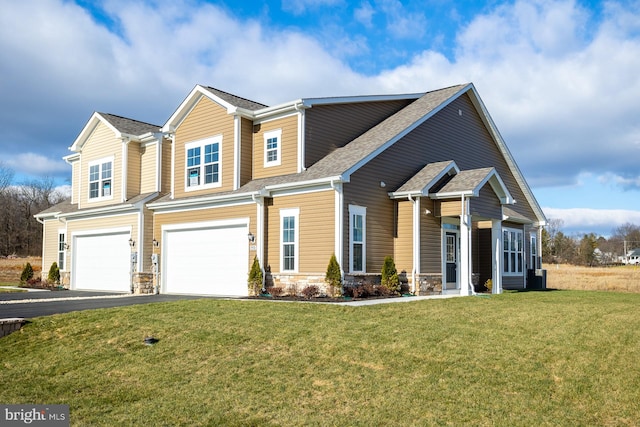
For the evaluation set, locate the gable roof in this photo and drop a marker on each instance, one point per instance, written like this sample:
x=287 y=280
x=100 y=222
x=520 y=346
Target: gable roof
x=427 y=177
x=122 y=127
x=235 y=100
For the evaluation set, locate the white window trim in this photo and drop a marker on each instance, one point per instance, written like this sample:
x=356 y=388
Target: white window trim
x=100 y=162
x=294 y=212
x=358 y=210
x=533 y=250
x=62 y=232
x=507 y=266
x=202 y=143
x=268 y=135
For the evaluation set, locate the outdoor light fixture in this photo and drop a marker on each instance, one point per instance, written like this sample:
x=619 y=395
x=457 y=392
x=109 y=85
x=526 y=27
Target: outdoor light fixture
x=66 y=246
x=155 y=243
x=383 y=184
x=251 y=237
x=132 y=243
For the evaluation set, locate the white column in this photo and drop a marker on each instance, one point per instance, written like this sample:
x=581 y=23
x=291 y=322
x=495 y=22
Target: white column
x=496 y=249
x=339 y=225
x=416 y=243
x=465 y=249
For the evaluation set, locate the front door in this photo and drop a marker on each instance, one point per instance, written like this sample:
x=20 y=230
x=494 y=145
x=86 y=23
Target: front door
x=451 y=260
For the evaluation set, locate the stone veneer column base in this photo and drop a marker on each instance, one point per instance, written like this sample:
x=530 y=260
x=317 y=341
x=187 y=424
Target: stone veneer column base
x=143 y=283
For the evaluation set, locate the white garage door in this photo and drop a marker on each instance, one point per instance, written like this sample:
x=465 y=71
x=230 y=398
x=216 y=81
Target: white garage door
x=102 y=262
x=206 y=261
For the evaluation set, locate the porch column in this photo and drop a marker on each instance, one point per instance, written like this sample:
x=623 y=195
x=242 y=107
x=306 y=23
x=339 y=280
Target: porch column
x=465 y=249
x=496 y=249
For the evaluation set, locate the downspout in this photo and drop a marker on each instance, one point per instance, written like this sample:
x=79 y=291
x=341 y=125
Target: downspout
x=414 y=250
x=125 y=167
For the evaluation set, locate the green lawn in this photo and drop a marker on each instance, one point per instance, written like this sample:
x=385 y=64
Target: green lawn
x=3 y=288
x=518 y=359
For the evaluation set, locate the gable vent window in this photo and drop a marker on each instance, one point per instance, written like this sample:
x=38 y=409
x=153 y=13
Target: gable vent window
x=203 y=164
x=272 y=148
x=100 y=177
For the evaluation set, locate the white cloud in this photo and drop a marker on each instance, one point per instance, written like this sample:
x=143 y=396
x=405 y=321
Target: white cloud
x=36 y=164
x=400 y=22
x=298 y=7
x=584 y=220
x=364 y=14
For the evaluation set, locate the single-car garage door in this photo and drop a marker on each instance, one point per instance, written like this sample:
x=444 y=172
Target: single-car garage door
x=206 y=260
x=102 y=262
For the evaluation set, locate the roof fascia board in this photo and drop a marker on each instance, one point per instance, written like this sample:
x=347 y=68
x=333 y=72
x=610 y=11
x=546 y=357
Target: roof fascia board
x=129 y=207
x=425 y=190
x=493 y=130
x=88 y=129
x=206 y=201
x=310 y=102
x=332 y=180
x=190 y=102
x=71 y=158
x=347 y=174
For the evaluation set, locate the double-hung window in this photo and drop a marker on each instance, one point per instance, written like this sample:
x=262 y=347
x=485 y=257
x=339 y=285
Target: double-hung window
x=61 y=249
x=101 y=179
x=272 y=148
x=533 y=242
x=203 y=163
x=512 y=246
x=289 y=226
x=357 y=238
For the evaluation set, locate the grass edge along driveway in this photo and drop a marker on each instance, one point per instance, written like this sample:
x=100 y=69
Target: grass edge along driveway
x=548 y=358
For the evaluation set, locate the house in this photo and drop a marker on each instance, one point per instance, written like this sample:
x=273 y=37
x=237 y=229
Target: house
x=186 y=207
x=632 y=257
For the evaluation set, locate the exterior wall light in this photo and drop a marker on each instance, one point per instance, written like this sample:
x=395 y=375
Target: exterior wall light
x=155 y=243
x=132 y=243
x=251 y=237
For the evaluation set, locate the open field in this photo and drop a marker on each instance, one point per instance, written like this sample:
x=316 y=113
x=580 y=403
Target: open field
x=11 y=269
x=620 y=278
x=516 y=359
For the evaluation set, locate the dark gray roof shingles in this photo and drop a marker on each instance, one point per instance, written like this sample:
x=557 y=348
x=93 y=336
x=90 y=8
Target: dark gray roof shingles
x=232 y=99
x=466 y=181
x=424 y=177
x=130 y=126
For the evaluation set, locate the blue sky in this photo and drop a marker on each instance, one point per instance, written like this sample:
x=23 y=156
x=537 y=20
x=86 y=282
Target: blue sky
x=561 y=79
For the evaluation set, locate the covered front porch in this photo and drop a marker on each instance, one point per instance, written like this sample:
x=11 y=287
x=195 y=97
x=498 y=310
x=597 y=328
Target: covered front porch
x=449 y=229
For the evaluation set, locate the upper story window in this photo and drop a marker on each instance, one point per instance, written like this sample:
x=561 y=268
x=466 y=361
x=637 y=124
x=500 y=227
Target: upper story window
x=272 y=148
x=101 y=179
x=512 y=246
x=203 y=164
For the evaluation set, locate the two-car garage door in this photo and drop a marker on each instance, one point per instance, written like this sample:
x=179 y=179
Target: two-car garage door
x=102 y=262
x=206 y=259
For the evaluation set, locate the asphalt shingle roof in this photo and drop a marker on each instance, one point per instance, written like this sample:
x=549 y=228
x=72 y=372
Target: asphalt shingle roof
x=466 y=181
x=232 y=99
x=425 y=177
x=130 y=126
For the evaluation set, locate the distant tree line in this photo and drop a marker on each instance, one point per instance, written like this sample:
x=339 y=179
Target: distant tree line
x=20 y=232
x=587 y=249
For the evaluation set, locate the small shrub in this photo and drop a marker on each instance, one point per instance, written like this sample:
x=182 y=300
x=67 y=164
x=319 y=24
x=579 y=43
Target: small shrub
x=255 y=278
x=333 y=277
x=310 y=291
x=27 y=273
x=54 y=274
x=390 y=275
x=275 y=291
x=292 y=290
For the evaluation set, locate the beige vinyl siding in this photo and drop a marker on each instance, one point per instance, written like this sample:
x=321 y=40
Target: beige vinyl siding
x=147 y=238
x=288 y=149
x=102 y=143
x=247 y=210
x=449 y=208
x=403 y=242
x=207 y=119
x=50 y=245
x=316 y=232
x=166 y=167
x=430 y=238
x=246 y=151
x=328 y=127
x=148 y=167
x=75 y=181
x=133 y=169
x=103 y=223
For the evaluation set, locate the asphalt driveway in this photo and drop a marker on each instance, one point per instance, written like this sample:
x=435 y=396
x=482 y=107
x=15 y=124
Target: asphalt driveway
x=35 y=304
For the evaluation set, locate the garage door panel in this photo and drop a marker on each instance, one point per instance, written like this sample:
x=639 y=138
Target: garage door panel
x=102 y=262
x=206 y=261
